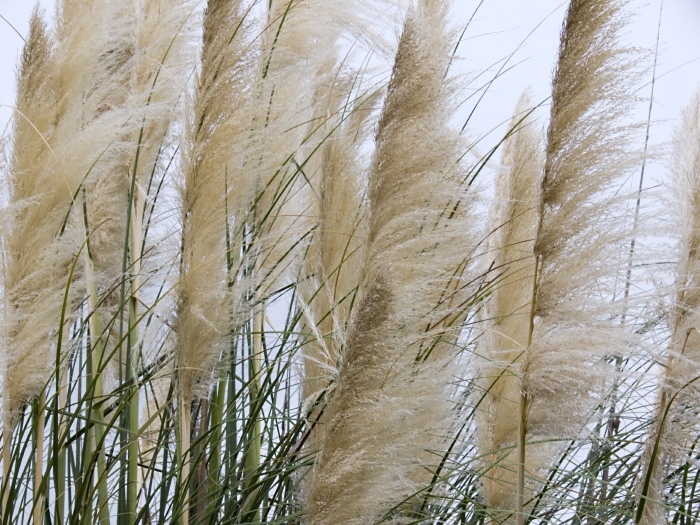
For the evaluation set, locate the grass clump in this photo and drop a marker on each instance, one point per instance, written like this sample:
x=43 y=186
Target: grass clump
x=246 y=278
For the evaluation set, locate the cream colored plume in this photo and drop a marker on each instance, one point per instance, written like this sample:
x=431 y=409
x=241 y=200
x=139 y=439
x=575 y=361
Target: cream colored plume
x=78 y=105
x=31 y=266
x=389 y=406
x=514 y=225
x=212 y=163
x=581 y=225
x=579 y=218
x=155 y=50
x=333 y=259
x=298 y=59
x=676 y=416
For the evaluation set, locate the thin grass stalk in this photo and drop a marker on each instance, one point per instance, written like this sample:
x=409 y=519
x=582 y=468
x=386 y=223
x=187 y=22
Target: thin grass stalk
x=521 y=450
x=612 y=426
x=183 y=460
x=98 y=432
x=201 y=476
x=95 y=359
x=252 y=457
x=214 y=463
x=161 y=40
x=6 y=462
x=39 y=425
x=59 y=447
x=132 y=363
x=523 y=413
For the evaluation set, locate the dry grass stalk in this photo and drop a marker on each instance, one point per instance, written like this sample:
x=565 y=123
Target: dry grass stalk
x=389 y=404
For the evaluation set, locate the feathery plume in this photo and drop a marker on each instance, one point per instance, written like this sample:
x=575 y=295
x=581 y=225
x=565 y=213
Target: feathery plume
x=579 y=223
x=332 y=263
x=301 y=36
x=106 y=187
x=77 y=97
x=514 y=222
x=676 y=418
x=389 y=404
x=30 y=290
x=215 y=138
x=587 y=152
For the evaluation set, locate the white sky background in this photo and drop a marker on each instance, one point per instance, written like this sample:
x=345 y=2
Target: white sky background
x=498 y=28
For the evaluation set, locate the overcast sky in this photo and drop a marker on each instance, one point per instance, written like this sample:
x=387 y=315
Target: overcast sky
x=498 y=28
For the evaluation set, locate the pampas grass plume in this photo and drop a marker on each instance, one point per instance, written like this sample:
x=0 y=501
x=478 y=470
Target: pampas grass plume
x=514 y=218
x=215 y=139
x=389 y=404
x=676 y=421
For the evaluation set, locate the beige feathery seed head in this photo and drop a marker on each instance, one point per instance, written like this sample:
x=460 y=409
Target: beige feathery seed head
x=150 y=86
x=389 y=405
x=107 y=184
x=333 y=259
x=81 y=125
x=298 y=49
x=163 y=59
x=507 y=311
x=677 y=418
x=580 y=223
x=298 y=58
x=86 y=127
x=97 y=144
x=589 y=131
x=30 y=260
x=216 y=138
x=685 y=355
x=79 y=128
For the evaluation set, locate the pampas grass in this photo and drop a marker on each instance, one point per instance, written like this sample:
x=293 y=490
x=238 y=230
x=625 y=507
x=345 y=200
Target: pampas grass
x=27 y=362
x=405 y=283
x=578 y=224
x=508 y=308
x=246 y=278
x=213 y=175
x=674 y=428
